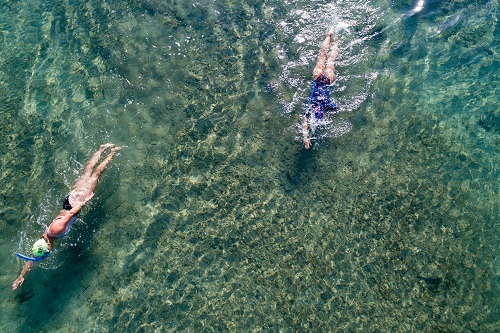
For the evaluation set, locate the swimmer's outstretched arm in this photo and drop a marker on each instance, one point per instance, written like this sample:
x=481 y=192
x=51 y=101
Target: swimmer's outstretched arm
x=305 y=132
x=27 y=266
x=20 y=279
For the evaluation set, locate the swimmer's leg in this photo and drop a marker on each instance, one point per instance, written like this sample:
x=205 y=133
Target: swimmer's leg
x=94 y=159
x=330 y=64
x=104 y=164
x=84 y=187
x=320 y=65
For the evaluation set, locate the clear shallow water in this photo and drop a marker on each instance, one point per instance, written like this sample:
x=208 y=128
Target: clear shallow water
x=215 y=218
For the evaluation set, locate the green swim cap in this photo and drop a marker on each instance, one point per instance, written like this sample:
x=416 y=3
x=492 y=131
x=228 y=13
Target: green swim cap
x=40 y=248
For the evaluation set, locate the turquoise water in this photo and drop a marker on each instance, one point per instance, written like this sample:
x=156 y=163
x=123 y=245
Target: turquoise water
x=213 y=218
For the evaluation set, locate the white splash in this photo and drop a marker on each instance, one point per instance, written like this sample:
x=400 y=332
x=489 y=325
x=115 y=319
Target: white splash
x=342 y=25
x=419 y=6
x=299 y=39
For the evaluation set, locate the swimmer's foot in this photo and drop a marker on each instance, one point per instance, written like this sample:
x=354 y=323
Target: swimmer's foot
x=115 y=149
x=107 y=145
x=330 y=32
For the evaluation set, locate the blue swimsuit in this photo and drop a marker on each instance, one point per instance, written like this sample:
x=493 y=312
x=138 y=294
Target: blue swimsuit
x=319 y=101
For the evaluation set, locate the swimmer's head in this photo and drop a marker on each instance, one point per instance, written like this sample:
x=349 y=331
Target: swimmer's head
x=40 y=248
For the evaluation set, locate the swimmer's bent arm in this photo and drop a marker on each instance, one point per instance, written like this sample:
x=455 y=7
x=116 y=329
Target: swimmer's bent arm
x=74 y=210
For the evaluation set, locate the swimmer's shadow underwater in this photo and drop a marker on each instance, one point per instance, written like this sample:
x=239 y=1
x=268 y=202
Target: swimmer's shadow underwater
x=302 y=171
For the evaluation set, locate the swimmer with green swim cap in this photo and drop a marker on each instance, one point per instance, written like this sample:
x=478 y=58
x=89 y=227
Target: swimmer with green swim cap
x=40 y=248
x=81 y=193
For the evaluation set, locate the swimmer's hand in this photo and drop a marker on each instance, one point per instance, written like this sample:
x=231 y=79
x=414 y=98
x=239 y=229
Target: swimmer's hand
x=19 y=281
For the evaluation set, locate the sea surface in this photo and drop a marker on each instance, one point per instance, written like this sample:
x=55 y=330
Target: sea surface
x=213 y=217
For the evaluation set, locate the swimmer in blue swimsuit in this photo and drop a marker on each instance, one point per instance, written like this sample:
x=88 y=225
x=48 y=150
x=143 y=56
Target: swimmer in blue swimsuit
x=323 y=76
x=82 y=192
